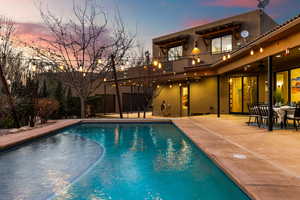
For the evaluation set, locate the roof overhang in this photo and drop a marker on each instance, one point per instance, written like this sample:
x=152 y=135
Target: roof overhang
x=172 y=42
x=222 y=29
x=275 y=41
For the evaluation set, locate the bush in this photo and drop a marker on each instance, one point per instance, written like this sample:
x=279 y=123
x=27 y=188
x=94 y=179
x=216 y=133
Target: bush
x=46 y=107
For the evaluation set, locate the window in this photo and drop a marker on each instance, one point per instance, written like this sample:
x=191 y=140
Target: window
x=295 y=85
x=175 y=53
x=221 y=44
x=281 y=92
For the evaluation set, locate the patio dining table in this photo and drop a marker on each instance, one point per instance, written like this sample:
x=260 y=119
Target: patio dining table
x=282 y=113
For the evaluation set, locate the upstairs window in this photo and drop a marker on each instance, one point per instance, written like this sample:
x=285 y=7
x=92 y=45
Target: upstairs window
x=175 y=53
x=221 y=44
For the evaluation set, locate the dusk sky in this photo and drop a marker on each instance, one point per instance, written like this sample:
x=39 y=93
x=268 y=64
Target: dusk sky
x=151 y=17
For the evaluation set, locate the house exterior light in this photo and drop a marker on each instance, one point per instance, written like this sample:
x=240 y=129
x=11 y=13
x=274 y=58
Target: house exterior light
x=251 y=52
x=224 y=58
x=196 y=50
x=155 y=63
x=193 y=62
x=159 y=65
x=261 y=50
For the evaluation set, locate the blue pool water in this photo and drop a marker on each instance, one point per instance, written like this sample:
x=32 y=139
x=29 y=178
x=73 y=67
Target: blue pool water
x=113 y=162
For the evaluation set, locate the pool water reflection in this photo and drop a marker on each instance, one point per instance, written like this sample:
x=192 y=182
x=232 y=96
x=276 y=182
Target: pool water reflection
x=140 y=162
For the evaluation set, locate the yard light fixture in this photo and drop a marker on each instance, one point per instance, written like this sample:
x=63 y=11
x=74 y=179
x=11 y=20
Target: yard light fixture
x=251 y=52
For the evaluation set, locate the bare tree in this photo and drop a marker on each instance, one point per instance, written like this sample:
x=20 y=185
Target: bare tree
x=80 y=47
x=7 y=57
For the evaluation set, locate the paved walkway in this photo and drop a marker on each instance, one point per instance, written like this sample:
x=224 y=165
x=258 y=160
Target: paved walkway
x=265 y=164
x=13 y=139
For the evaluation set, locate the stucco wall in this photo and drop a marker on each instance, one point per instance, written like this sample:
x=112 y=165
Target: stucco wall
x=172 y=98
x=203 y=96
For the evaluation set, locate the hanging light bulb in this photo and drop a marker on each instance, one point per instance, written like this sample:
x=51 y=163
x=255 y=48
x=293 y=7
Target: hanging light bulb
x=158 y=86
x=104 y=79
x=159 y=65
x=170 y=86
x=198 y=60
x=193 y=62
x=180 y=84
x=155 y=63
x=224 y=58
x=61 y=67
x=196 y=50
x=251 y=52
x=287 y=51
x=261 y=50
x=99 y=61
x=228 y=56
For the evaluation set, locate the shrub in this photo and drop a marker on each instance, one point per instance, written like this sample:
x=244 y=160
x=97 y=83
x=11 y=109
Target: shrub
x=45 y=107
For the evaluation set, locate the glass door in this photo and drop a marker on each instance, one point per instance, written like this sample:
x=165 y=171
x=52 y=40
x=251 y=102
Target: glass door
x=236 y=96
x=250 y=91
x=184 y=91
x=243 y=91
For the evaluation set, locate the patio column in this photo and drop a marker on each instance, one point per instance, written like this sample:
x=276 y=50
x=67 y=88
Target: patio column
x=218 y=96
x=270 y=89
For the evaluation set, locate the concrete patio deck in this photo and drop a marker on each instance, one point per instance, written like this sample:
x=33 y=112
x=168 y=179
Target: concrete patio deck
x=265 y=164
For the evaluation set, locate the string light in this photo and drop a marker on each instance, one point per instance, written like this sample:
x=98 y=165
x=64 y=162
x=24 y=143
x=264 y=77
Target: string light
x=193 y=62
x=171 y=86
x=228 y=56
x=261 y=50
x=159 y=65
x=104 y=79
x=198 y=60
x=251 y=52
x=287 y=51
x=224 y=58
x=155 y=63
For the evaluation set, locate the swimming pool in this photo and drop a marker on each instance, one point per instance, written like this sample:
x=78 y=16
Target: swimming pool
x=124 y=161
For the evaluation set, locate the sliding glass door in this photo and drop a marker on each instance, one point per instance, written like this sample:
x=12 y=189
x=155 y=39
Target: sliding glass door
x=243 y=91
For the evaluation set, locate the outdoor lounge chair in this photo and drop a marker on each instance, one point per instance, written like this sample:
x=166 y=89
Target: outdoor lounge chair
x=295 y=117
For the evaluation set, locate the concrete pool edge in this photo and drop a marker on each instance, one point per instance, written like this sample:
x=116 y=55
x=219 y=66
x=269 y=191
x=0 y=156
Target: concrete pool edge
x=257 y=176
x=12 y=140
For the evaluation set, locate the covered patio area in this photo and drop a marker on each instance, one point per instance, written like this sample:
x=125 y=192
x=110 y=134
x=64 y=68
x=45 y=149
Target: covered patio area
x=264 y=72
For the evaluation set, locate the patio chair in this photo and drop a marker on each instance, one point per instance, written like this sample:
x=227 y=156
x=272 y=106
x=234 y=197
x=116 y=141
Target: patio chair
x=254 y=113
x=264 y=113
x=295 y=117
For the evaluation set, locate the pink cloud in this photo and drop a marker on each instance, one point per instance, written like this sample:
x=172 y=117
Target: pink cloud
x=197 y=22
x=32 y=33
x=239 y=3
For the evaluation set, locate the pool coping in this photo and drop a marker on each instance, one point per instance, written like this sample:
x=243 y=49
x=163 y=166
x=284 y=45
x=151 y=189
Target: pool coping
x=204 y=139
